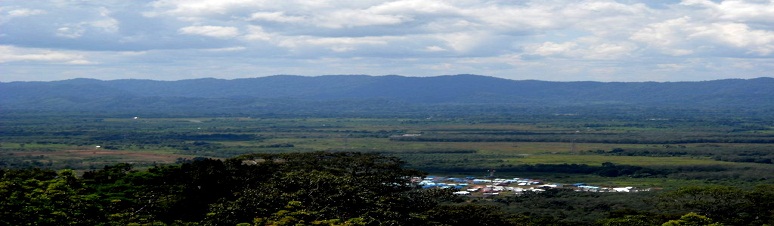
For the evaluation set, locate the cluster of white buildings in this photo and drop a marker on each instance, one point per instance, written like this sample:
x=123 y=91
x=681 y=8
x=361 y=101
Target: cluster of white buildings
x=517 y=186
x=590 y=188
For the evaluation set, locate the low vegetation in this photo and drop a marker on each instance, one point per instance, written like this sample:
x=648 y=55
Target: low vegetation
x=86 y=169
x=344 y=188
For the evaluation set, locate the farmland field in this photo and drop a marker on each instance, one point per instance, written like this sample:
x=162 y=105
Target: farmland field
x=691 y=149
x=677 y=158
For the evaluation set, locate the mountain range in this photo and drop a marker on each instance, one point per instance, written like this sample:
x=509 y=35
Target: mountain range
x=362 y=93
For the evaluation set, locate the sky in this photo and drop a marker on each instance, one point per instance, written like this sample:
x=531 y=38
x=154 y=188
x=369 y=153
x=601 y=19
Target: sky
x=551 y=40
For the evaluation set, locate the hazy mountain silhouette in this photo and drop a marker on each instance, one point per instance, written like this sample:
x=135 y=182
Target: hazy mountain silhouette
x=361 y=92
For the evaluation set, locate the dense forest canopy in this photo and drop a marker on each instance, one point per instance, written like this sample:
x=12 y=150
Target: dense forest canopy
x=325 y=188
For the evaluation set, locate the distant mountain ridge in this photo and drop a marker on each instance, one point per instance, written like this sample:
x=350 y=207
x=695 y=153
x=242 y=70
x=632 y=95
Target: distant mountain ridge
x=283 y=90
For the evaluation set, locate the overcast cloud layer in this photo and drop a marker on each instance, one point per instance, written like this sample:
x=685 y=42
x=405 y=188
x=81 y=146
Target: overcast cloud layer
x=598 y=40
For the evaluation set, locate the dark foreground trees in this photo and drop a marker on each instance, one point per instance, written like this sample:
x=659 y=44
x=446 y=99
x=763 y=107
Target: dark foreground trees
x=264 y=189
x=320 y=188
x=44 y=197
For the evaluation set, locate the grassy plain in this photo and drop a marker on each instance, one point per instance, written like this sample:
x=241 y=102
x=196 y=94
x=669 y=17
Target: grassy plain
x=680 y=149
x=624 y=160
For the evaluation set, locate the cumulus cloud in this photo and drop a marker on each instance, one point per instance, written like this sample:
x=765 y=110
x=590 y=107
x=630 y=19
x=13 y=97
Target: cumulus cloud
x=74 y=31
x=735 y=10
x=736 y=35
x=12 y=54
x=193 y=10
x=683 y=36
x=7 y=14
x=106 y=22
x=334 y=44
x=513 y=39
x=211 y=31
x=587 y=49
x=274 y=17
x=257 y=33
x=356 y=18
x=463 y=41
x=24 y=12
x=228 y=49
x=551 y=48
x=434 y=49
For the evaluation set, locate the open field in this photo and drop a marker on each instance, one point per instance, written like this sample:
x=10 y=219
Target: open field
x=684 y=148
x=102 y=157
x=625 y=160
x=730 y=160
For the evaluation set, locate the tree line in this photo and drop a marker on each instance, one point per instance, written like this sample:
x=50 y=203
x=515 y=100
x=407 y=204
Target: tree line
x=322 y=188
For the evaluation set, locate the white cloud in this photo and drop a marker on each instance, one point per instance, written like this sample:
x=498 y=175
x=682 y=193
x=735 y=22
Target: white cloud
x=684 y=36
x=434 y=49
x=75 y=31
x=199 y=9
x=432 y=7
x=517 y=17
x=9 y=13
x=463 y=42
x=106 y=23
x=514 y=39
x=211 y=31
x=348 y=18
x=275 y=17
x=737 y=35
x=132 y=53
x=671 y=67
x=586 y=49
x=24 y=12
x=736 y=10
x=609 y=51
x=257 y=33
x=551 y=48
x=13 y=54
x=344 y=44
x=228 y=49
x=667 y=36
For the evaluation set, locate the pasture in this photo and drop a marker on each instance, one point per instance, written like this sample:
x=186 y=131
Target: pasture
x=660 y=151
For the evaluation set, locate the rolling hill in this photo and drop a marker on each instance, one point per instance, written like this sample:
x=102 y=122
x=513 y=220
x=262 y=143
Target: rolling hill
x=286 y=94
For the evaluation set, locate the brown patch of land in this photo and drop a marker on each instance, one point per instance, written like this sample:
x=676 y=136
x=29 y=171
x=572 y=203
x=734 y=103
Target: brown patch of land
x=103 y=157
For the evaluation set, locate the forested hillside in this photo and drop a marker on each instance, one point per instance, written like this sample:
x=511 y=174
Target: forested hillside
x=333 y=189
x=370 y=94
